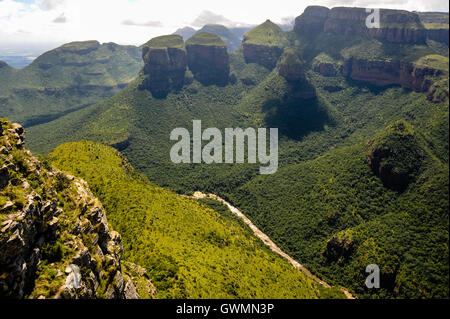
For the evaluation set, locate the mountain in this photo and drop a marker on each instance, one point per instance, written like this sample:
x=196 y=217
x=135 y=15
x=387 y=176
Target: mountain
x=65 y=79
x=233 y=41
x=185 y=32
x=363 y=141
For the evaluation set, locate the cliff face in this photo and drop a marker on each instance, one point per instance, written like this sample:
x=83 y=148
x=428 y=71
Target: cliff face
x=208 y=58
x=382 y=73
x=396 y=26
x=165 y=64
x=290 y=66
x=311 y=21
x=264 y=44
x=439 y=35
x=55 y=241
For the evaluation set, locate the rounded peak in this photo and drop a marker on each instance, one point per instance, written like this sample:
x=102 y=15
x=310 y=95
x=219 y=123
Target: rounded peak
x=207 y=39
x=267 y=33
x=166 y=41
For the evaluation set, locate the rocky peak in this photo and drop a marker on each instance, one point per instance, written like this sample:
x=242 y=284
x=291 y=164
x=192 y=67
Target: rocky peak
x=55 y=241
x=164 y=64
x=264 y=44
x=208 y=58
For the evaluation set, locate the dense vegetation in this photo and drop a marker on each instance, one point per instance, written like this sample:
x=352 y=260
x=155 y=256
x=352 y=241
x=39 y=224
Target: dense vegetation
x=326 y=205
x=66 y=79
x=189 y=250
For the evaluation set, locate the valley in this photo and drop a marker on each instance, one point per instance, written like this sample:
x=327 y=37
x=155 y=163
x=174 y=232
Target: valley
x=362 y=117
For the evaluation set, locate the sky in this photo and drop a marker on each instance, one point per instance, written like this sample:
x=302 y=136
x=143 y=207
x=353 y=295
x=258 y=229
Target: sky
x=37 y=23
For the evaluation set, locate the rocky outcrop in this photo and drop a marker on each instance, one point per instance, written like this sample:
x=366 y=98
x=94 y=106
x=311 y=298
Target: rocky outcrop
x=396 y=26
x=395 y=155
x=55 y=241
x=311 y=21
x=290 y=66
x=3 y=64
x=165 y=64
x=208 y=58
x=325 y=68
x=264 y=44
x=339 y=248
x=439 y=35
x=382 y=73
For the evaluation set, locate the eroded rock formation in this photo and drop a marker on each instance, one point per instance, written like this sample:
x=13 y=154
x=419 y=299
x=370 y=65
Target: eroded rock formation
x=51 y=222
x=208 y=58
x=396 y=26
x=264 y=44
x=165 y=64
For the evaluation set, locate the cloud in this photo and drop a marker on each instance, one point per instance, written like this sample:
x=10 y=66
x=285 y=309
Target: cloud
x=155 y=24
x=60 y=19
x=208 y=17
x=50 y=4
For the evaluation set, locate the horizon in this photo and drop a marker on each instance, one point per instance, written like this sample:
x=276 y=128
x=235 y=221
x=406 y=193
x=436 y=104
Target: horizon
x=41 y=25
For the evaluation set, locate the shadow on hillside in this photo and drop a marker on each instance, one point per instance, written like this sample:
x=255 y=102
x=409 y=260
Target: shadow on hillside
x=374 y=89
x=296 y=118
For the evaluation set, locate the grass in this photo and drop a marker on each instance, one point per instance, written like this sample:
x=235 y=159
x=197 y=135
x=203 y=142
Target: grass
x=166 y=41
x=268 y=34
x=434 y=61
x=206 y=39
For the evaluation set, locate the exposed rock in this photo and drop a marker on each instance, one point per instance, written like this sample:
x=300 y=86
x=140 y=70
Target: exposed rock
x=382 y=73
x=439 y=35
x=290 y=66
x=264 y=44
x=338 y=248
x=325 y=68
x=32 y=252
x=395 y=156
x=3 y=64
x=396 y=26
x=311 y=21
x=208 y=58
x=165 y=64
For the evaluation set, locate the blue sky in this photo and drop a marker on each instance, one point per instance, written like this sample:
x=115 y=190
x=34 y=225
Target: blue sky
x=53 y=22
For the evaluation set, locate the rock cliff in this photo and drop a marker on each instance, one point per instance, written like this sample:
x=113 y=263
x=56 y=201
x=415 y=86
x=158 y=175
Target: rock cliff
x=290 y=66
x=264 y=44
x=55 y=241
x=208 y=58
x=165 y=64
x=382 y=73
x=396 y=26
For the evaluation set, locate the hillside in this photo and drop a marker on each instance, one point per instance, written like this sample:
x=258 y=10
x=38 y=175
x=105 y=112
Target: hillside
x=330 y=94
x=189 y=250
x=66 y=79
